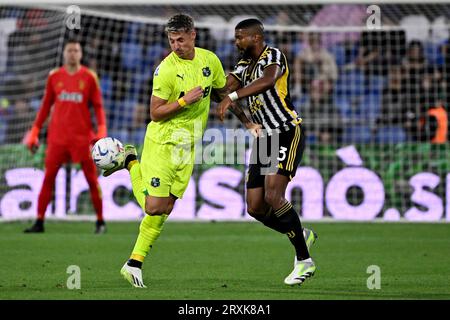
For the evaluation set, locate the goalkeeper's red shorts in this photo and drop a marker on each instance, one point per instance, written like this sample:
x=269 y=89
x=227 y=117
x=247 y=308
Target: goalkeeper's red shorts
x=67 y=153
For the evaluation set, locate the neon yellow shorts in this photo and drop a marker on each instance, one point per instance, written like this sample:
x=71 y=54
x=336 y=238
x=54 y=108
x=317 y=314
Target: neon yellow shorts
x=166 y=168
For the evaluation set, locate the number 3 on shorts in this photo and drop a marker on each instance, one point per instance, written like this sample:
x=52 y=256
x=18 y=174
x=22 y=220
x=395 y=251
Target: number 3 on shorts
x=282 y=154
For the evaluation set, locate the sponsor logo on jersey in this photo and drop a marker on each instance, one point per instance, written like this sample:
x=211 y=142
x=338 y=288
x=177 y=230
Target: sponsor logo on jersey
x=71 y=96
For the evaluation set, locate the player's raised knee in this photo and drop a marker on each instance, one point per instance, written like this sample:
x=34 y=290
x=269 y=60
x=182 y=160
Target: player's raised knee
x=254 y=210
x=153 y=210
x=158 y=209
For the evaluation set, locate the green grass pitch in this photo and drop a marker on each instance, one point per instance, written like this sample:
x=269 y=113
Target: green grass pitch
x=226 y=261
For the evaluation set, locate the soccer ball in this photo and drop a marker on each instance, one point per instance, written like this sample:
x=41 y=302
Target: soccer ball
x=107 y=152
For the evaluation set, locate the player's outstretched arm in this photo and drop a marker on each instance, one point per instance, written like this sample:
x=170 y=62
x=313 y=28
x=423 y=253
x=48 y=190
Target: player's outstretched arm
x=270 y=76
x=254 y=128
x=233 y=85
x=161 y=110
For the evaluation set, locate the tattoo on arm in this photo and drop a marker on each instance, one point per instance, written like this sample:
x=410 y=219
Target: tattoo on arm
x=239 y=113
x=231 y=85
x=218 y=95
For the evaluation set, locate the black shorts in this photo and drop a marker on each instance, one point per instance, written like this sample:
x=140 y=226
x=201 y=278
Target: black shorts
x=279 y=153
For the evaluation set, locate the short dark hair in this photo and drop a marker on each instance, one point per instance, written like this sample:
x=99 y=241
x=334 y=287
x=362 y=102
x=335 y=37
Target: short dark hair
x=250 y=23
x=72 y=40
x=180 y=23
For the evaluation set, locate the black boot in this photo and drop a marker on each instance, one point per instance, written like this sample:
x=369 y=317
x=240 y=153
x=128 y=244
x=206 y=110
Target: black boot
x=100 y=227
x=37 y=227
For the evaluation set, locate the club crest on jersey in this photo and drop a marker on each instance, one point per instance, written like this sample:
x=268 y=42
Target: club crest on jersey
x=81 y=85
x=206 y=71
x=155 y=182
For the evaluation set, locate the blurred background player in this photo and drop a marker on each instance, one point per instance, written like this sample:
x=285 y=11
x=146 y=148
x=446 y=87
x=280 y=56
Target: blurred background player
x=261 y=76
x=179 y=110
x=68 y=92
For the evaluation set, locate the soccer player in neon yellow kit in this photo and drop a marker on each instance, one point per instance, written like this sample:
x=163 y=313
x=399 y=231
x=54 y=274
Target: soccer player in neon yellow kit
x=179 y=107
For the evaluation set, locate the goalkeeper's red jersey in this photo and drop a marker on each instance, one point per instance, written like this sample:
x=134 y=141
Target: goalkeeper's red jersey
x=68 y=97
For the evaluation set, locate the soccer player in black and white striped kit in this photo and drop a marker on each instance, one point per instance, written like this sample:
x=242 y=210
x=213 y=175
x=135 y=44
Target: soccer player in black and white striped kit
x=261 y=77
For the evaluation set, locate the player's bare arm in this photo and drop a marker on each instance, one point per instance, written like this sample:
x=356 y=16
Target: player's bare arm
x=160 y=110
x=254 y=128
x=233 y=85
x=271 y=74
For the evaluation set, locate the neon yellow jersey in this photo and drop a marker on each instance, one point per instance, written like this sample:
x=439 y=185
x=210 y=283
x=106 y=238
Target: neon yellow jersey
x=173 y=78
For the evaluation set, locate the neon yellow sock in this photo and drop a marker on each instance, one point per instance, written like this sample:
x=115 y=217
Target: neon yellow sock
x=137 y=183
x=149 y=231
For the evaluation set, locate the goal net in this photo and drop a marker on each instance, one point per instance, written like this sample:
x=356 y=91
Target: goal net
x=371 y=84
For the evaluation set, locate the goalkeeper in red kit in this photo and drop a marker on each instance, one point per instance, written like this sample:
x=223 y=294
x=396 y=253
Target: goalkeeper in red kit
x=69 y=91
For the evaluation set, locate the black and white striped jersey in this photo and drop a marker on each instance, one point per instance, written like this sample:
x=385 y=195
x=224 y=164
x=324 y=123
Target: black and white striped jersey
x=272 y=108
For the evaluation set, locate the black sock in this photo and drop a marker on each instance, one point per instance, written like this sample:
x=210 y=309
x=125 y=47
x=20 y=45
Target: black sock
x=292 y=227
x=134 y=263
x=129 y=158
x=271 y=221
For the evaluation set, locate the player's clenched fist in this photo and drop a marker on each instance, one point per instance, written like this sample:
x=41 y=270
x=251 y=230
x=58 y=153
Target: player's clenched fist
x=193 y=95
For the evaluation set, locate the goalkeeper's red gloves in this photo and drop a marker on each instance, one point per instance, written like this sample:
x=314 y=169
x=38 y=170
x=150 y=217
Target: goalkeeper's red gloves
x=31 y=139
